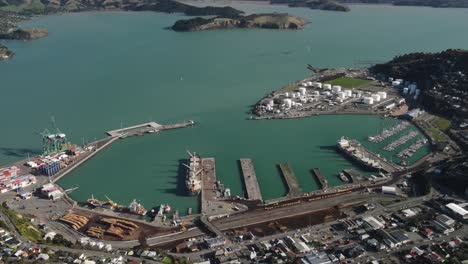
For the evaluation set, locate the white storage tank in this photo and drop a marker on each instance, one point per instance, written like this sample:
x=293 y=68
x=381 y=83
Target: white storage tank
x=383 y=95
x=336 y=88
x=348 y=93
x=341 y=95
x=376 y=97
x=405 y=90
x=327 y=86
x=368 y=100
x=317 y=85
x=287 y=102
x=302 y=91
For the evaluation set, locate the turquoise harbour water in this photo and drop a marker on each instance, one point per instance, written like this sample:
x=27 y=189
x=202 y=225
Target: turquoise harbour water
x=98 y=70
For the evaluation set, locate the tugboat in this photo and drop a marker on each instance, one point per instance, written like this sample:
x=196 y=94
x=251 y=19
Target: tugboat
x=95 y=202
x=343 y=177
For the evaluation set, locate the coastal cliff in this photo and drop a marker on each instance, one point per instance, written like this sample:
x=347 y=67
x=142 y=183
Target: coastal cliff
x=37 y=7
x=24 y=34
x=271 y=21
x=5 y=53
x=327 y=5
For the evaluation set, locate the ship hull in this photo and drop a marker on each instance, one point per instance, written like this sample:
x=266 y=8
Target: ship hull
x=356 y=160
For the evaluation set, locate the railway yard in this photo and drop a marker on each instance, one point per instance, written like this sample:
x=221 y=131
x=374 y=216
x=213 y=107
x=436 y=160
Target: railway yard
x=225 y=221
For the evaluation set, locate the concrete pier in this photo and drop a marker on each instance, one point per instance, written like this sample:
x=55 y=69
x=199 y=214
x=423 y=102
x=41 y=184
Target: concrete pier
x=294 y=190
x=320 y=178
x=208 y=192
x=250 y=180
x=151 y=127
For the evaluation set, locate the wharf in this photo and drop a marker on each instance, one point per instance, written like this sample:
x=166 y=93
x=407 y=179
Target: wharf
x=294 y=189
x=320 y=178
x=250 y=180
x=151 y=127
x=208 y=192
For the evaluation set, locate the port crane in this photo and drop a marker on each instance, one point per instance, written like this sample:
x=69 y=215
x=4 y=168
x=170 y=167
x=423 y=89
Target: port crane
x=53 y=142
x=113 y=204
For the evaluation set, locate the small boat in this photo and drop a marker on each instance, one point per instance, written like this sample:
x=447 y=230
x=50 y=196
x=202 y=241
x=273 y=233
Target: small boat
x=343 y=177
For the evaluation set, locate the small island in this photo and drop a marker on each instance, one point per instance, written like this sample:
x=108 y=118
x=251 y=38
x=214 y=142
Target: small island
x=270 y=21
x=24 y=34
x=327 y=5
x=5 y=53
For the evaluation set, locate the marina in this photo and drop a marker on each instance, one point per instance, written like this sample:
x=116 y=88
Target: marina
x=411 y=150
x=401 y=141
x=388 y=132
x=294 y=189
x=320 y=178
x=250 y=180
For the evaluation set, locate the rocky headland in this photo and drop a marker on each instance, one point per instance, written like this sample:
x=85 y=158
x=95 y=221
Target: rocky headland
x=24 y=34
x=270 y=21
x=5 y=53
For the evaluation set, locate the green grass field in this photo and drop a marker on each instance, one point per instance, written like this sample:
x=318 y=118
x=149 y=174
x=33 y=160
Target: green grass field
x=23 y=225
x=442 y=123
x=348 y=82
x=436 y=134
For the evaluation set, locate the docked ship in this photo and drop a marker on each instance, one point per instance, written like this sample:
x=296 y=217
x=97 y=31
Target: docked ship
x=351 y=149
x=133 y=208
x=193 y=174
x=136 y=208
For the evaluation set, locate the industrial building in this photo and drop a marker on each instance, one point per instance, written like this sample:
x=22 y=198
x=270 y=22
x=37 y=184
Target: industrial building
x=457 y=211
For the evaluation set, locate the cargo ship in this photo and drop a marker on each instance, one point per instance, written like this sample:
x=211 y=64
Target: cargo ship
x=193 y=174
x=351 y=149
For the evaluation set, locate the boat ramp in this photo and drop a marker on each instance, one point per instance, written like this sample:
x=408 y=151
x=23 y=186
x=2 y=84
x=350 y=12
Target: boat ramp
x=250 y=180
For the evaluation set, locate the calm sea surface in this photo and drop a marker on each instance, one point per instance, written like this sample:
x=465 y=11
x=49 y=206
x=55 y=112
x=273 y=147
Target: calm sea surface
x=97 y=71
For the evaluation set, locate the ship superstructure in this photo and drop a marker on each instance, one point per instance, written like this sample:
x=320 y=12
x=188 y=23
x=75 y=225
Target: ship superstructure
x=193 y=174
x=352 y=149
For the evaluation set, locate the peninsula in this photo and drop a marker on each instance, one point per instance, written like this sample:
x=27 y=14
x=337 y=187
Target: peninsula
x=24 y=34
x=271 y=21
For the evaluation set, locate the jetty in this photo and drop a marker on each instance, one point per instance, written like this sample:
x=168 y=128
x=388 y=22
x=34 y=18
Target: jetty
x=294 y=189
x=250 y=180
x=320 y=178
x=208 y=192
x=151 y=127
